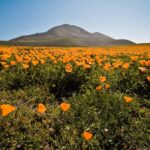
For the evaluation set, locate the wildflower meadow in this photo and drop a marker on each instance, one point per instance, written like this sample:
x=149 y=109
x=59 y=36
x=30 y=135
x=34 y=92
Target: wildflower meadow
x=75 y=98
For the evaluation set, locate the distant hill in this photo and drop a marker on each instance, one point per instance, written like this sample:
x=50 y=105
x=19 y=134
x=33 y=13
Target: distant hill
x=67 y=35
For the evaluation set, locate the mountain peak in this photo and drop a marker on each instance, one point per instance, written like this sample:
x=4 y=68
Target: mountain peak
x=61 y=26
x=68 y=30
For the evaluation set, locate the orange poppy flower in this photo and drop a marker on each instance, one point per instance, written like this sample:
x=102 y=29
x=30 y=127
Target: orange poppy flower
x=86 y=66
x=35 y=62
x=126 y=65
x=68 y=68
x=148 y=78
x=98 y=88
x=64 y=106
x=87 y=135
x=107 y=66
x=107 y=86
x=102 y=79
x=12 y=62
x=25 y=66
x=134 y=58
x=142 y=62
x=41 y=108
x=4 y=57
x=148 y=63
x=6 y=109
x=42 y=61
x=128 y=99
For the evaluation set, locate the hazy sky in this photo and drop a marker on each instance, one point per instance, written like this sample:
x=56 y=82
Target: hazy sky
x=128 y=19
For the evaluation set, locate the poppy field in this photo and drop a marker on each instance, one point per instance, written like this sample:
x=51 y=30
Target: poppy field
x=75 y=98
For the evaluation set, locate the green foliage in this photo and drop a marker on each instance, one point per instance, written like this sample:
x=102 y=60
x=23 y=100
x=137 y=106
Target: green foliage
x=114 y=123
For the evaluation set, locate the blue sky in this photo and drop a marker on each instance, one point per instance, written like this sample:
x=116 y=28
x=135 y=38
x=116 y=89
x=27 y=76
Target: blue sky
x=128 y=19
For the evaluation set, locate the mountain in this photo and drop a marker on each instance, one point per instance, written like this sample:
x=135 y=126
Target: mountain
x=68 y=35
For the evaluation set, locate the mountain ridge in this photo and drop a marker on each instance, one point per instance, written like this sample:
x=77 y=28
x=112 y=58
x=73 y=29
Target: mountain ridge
x=69 y=35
